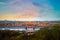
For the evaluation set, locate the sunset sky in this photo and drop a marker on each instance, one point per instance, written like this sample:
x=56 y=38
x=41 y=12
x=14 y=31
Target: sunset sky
x=30 y=10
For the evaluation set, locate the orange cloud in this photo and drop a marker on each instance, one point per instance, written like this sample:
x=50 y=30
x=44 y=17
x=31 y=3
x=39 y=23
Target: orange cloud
x=28 y=15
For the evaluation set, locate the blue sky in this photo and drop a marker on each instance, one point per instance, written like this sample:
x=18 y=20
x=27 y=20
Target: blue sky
x=30 y=10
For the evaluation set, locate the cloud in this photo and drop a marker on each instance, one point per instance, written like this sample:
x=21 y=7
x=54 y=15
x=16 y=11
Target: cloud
x=29 y=10
x=2 y=3
x=20 y=7
x=28 y=13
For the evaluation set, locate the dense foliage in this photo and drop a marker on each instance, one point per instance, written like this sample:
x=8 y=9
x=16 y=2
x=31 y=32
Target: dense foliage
x=52 y=33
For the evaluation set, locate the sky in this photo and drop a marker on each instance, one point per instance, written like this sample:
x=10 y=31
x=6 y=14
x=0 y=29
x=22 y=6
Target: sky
x=30 y=10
